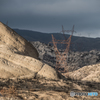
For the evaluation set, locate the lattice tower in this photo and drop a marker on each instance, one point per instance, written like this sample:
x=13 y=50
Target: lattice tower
x=61 y=57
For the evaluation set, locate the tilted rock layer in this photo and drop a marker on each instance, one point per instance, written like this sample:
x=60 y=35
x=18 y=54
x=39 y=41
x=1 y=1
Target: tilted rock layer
x=19 y=58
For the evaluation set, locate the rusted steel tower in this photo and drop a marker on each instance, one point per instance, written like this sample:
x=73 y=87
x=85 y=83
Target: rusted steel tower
x=61 y=57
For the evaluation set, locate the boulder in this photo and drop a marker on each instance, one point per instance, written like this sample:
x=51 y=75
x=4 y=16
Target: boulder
x=48 y=72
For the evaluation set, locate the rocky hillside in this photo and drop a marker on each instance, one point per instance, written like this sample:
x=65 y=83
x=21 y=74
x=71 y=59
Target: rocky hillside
x=75 y=60
x=24 y=77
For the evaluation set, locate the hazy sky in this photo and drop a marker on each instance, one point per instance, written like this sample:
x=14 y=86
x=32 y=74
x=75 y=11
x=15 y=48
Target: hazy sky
x=49 y=15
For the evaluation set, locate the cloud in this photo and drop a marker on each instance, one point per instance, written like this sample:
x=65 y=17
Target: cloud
x=49 y=15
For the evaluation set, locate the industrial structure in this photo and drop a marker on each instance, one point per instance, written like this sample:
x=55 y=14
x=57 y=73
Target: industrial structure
x=61 y=57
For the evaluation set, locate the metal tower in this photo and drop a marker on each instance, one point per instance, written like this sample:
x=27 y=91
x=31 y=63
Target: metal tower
x=61 y=57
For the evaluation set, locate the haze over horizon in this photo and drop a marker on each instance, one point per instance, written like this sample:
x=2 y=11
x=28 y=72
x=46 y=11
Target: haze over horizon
x=49 y=15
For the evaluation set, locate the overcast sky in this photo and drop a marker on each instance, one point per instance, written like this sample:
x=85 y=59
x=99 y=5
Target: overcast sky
x=49 y=15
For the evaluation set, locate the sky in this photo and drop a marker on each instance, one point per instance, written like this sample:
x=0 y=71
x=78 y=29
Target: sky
x=49 y=15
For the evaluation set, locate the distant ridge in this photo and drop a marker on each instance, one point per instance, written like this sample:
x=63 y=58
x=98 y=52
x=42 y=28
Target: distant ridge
x=77 y=43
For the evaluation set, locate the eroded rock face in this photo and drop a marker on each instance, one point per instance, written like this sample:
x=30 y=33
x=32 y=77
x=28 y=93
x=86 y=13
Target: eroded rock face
x=11 y=42
x=19 y=58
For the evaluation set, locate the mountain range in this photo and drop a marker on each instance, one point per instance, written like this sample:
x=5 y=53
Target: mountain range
x=77 y=43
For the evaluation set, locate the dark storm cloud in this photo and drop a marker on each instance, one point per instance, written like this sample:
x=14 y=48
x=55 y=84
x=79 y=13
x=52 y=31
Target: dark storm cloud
x=49 y=15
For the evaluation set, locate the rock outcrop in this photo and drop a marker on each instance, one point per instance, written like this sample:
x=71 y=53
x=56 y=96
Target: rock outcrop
x=19 y=58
